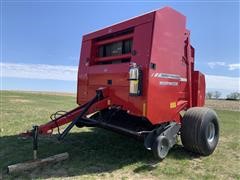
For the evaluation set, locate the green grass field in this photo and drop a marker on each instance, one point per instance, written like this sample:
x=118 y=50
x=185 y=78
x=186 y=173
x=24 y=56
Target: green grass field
x=99 y=154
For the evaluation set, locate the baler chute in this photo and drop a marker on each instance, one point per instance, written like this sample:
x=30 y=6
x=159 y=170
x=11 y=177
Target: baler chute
x=137 y=78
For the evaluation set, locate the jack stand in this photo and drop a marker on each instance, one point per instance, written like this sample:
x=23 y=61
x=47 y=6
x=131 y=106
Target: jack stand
x=35 y=142
x=36 y=162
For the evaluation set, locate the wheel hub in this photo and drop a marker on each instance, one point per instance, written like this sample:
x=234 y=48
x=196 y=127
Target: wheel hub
x=164 y=147
x=210 y=132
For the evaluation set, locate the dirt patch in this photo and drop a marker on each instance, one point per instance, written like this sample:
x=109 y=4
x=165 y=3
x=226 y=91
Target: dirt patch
x=223 y=105
x=20 y=100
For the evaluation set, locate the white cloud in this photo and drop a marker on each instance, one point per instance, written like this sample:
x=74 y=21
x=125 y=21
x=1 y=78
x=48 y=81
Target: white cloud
x=39 y=71
x=233 y=66
x=223 y=82
x=69 y=73
x=230 y=67
x=217 y=63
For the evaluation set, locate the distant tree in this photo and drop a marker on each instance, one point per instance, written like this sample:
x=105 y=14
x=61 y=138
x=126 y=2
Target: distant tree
x=216 y=94
x=209 y=95
x=234 y=96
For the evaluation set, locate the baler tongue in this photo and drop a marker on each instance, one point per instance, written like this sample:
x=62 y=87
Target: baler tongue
x=72 y=116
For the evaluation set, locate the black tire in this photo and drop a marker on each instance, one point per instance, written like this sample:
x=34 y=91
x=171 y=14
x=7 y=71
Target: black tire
x=161 y=147
x=200 y=130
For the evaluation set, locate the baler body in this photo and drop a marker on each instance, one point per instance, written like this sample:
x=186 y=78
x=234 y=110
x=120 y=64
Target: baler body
x=159 y=43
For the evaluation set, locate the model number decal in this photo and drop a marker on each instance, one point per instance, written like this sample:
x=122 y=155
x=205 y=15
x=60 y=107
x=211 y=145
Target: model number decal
x=166 y=83
x=169 y=76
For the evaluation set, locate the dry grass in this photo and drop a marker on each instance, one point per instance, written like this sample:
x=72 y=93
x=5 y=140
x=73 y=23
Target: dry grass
x=44 y=92
x=99 y=154
x=223 y=105
x=20 y=100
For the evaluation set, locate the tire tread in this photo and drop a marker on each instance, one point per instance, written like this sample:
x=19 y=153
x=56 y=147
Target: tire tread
x=191 y=127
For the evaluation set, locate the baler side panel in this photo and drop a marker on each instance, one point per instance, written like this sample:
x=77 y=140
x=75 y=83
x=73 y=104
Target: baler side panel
x=168 y=81
x=100 y=75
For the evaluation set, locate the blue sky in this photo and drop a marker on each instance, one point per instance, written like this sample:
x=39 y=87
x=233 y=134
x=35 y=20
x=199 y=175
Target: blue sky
x=48 y=34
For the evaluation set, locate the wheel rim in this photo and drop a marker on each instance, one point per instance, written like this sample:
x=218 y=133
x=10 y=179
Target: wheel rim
x=163 y=148
x=210 y=132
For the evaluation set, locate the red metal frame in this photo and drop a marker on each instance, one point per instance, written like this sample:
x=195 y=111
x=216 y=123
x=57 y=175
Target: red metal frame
x=115 y=39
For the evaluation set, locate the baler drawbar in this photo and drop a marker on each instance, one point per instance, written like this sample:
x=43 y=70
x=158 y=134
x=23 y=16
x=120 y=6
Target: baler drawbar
x=74 y=116
x=138 y=78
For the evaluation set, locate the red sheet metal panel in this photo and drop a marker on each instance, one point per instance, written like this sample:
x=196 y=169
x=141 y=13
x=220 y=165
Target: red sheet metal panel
x=120 y=26
x=167 y=83
x=125 y=56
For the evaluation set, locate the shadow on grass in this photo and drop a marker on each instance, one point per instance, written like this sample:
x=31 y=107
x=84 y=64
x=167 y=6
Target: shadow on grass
x=179 y=153
x=91 y=152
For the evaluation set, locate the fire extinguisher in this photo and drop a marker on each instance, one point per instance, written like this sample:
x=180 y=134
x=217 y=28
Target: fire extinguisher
x=135 y=80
